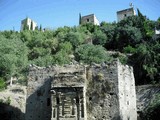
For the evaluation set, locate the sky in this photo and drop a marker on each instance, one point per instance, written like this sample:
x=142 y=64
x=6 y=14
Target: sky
x=58 y=13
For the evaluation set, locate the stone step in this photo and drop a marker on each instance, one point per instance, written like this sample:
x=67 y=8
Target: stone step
x=67 y=105
x=69 y=102
x=67 y=112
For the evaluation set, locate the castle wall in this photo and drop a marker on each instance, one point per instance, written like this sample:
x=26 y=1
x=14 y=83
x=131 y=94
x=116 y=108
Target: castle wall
x=89 y=19
x=28 y=22
x=125 y=13
x=13 y=102
x=68 y=98
x=126 y=93
x=102 y=92
x=39 y=85
x=146 y=94
x=78 y=92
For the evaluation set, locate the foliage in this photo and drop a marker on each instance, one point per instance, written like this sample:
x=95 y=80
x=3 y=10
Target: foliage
x=31 y=25
x=1 y=101
x=46 y=60
x=122 y=57
x=13 y=54
x=127 y=36
x=75 y=38
x=91 y=27
x=133 y=39
x=61 y=57
x=88 y=53
x=129 y=49
x=66 y=46
x=8 y=101
x=145 y=62
x=22 y=81
x=99 y=38
x=80 y=18
x=2 y=84
x=40 y=28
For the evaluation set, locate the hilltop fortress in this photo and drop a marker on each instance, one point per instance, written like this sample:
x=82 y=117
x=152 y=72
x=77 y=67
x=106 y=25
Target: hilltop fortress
x=78 y=92
x=122 y=14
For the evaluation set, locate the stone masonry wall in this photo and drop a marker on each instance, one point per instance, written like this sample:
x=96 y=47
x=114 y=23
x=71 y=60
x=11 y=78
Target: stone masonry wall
x=101 y=92
x=39 y=85
x=146 y=94
x=77 y=92
x=89 y=19
x=13 y=102
x=40 y=82
x=126 y=93
x=68 y=98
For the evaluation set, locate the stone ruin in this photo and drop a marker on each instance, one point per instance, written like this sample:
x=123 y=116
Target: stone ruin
x=78 y=92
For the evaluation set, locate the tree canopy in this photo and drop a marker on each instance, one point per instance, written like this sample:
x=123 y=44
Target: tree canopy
x=133 y=38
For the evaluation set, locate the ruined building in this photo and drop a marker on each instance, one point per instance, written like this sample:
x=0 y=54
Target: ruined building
x=79 y=92
x=89 y=19
x=122 y=14
x=30 y=24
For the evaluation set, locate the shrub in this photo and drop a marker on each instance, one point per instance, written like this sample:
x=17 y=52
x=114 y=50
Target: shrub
x=2 y=84
x=88 y=53
x=8 y=101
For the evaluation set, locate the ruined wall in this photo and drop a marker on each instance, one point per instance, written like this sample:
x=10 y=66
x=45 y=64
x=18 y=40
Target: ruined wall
x=39 y=85
x=13 y=102
x=42 y=81
x=145 y=96
x=126 y=93
x=68 y=98
x=101 y=92
x=111 y=93
x=77 y=92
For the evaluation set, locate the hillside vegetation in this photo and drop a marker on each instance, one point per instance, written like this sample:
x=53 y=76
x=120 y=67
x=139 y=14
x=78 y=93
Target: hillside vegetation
x=133 y=41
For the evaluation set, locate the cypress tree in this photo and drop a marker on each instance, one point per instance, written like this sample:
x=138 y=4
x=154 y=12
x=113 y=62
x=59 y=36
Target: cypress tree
x=40 y=27
x=31 y=25
x=141 y=15
x=36 y=28
x=80 y=18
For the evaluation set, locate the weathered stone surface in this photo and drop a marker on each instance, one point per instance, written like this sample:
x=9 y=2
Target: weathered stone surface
x=78 y=92
x=126 y=93
x=14 y=99
x=145 y=94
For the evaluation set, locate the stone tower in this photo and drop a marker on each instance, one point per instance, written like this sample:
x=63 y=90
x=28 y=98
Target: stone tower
x=29 y=22
x=89 y=19
x=78 y=92
x=122 y=14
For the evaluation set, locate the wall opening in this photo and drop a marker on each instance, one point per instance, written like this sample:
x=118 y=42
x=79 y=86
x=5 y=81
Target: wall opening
x=128 y=118
x=67 y=102
x=48 y=101
x=57 y=100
